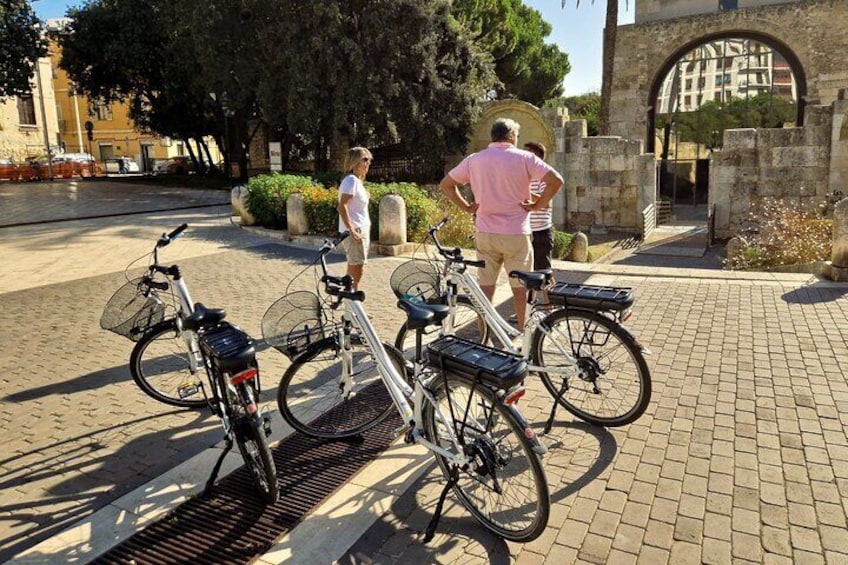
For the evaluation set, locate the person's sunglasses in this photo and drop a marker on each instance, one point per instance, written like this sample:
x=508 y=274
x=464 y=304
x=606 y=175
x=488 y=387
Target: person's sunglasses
x=366 y=159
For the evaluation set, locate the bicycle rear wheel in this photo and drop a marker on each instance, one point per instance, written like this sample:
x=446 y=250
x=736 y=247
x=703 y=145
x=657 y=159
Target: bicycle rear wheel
x=249 y=435
x=613 y=386
x=330 y=394
x=504 y=487
x=159 y=365
x=467 y=323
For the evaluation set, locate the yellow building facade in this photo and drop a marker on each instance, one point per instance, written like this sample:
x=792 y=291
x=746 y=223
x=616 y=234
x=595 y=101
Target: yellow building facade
x=22 y=122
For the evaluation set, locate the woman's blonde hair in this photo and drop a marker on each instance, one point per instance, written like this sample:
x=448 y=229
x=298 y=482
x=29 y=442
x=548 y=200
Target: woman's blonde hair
x=354 y=156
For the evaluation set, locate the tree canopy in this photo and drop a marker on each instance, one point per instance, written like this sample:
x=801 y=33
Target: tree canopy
x=21 y=45
x=514 y=35
x=322 y=75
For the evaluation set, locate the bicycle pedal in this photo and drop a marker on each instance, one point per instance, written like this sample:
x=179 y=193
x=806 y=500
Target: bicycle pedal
x=266 y=424
x=401 y=430
x=187 y=390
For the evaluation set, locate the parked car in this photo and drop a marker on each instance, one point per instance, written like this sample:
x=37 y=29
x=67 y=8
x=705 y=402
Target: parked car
x=179 y=165
x=9 y=170
x=121 y=165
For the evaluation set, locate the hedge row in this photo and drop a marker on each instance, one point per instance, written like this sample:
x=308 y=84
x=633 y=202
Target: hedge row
x=269 y=193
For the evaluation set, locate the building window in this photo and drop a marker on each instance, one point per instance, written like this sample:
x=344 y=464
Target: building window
x=100 y=111
x=26 y=110
x=688 y=84
x=718 y=80
x=728 y=4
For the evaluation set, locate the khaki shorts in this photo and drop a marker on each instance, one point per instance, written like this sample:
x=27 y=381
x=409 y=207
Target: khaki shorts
x=512 y=252
x=357 y=251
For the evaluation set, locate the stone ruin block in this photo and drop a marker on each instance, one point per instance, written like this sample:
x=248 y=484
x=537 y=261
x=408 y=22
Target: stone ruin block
x=608 y=145
x=743 y=138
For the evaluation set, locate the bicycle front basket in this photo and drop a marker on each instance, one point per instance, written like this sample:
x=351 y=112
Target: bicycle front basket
x=132 y=310
x=416 y=280
x=294 y=322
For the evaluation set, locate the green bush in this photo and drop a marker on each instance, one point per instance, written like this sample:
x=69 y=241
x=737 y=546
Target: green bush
x=562 y=243
x=458 y=232
x=268 y=194
x=319 y=203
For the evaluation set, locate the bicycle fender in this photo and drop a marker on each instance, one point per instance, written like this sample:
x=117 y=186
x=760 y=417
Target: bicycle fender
x=536 y=444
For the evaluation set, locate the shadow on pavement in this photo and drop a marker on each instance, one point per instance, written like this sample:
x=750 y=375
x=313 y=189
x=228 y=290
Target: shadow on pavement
x=813 y=294
x=76 y=476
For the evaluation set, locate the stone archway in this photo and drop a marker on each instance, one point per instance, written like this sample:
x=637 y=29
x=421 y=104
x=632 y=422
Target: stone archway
x=811 y=34
x=773 y=43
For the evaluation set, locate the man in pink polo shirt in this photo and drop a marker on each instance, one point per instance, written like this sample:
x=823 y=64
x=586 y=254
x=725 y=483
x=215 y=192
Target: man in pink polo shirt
x=500 y=178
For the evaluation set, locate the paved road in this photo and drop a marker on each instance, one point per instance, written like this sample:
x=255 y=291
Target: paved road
x=22 y=203
x=741 y=457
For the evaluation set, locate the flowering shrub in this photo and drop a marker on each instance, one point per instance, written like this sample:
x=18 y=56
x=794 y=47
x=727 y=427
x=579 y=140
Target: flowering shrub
x=780 y=233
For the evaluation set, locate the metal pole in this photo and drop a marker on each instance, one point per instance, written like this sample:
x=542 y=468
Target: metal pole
x=44 y=121
x=76 y=116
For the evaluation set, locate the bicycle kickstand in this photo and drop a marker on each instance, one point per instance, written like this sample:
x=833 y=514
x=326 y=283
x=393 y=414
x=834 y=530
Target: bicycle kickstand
x=550 y=423
x=211 y=482
x=434 y=522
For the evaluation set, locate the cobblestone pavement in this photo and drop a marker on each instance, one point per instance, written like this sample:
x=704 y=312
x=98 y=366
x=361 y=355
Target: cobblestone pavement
x=77 y=431
x=22 y=203
x=742 y=456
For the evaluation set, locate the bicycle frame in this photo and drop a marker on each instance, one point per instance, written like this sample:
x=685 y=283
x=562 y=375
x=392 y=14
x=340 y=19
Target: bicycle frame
x=457 y=276
x=399 y=390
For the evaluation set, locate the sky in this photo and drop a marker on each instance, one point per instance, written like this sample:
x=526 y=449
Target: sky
x=577 y=31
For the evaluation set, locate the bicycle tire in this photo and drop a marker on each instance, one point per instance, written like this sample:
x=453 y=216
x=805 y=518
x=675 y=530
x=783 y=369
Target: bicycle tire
x=471 y=326
x=310 y=399
x=249 y=435
x=159 y=365
x=506 y=513
x=617 y=387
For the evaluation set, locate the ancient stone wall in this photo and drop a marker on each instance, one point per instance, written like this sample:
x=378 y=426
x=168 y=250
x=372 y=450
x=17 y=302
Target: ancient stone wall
x=608 y=180
x=792 y=164
x=812 y=33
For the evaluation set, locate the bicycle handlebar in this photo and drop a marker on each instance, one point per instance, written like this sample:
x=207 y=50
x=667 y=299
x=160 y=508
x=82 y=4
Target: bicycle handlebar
x=454 y=254
x=168 y=238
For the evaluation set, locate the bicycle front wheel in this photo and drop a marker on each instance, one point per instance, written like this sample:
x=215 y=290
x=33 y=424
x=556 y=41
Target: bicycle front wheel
x=504 y=486
x=467 y=323
x=334 y=394
x=611 y=383
x=159 y=365
x=249 y=434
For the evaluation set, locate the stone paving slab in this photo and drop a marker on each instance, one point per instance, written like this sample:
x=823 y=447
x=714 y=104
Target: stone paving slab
x=742 y=456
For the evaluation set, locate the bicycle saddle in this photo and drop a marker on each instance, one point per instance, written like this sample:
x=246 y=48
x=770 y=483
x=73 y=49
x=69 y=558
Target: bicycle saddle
x=533 y=280
x=420 y=316
x=204 y=317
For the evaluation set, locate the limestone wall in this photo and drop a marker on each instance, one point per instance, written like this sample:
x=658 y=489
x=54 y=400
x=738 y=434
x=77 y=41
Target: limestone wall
x=608 y=180
x=791 y=163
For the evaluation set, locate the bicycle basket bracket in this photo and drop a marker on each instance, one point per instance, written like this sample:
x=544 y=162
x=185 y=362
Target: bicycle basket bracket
x=132 y=310
x=294 y=322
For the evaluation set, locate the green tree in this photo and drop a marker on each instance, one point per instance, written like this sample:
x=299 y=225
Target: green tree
x=21 y=45
x=582 y=107
x=372 y=73
x=514 y=35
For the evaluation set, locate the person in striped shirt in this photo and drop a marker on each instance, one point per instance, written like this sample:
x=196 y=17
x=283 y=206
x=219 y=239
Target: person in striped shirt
x=541 y=221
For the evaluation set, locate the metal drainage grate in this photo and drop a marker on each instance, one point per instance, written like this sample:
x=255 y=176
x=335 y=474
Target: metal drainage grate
x=232 y=525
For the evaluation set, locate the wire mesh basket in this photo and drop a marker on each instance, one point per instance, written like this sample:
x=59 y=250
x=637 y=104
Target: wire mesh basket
x=417 y=280
x=133 y=310
x=294 y=322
